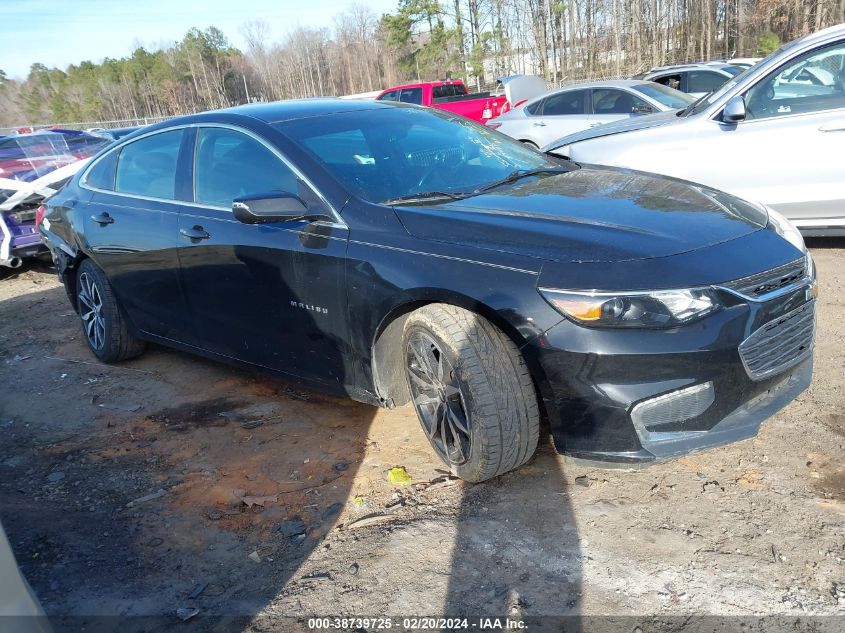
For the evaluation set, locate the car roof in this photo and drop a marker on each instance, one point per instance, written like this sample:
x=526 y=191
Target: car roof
x=604 y=83
x=684 y=67
x=277 y=111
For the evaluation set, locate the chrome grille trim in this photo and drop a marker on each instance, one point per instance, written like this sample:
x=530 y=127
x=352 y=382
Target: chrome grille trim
x=780 y=343
x=770 y=283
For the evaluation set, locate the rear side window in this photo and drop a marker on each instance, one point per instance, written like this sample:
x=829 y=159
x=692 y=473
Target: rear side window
x=704 y=81
x=101 y=175
x=230 y=164
x=147 y=167
x=411 y=95
x=534 y=108
x=447 y=90
x=571 y=102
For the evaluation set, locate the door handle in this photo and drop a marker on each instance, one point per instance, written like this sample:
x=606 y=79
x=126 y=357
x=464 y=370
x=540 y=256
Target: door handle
x=837 y=126
x=195 y=233
x=539 y=124
x=102 y=218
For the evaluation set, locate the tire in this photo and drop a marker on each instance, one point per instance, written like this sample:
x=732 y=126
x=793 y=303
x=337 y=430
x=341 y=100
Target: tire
x=464 y=371
x=531 y=144
x=103 y=323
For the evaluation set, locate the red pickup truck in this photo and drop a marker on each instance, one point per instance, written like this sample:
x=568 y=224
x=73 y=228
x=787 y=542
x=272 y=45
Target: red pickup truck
x=454 y=96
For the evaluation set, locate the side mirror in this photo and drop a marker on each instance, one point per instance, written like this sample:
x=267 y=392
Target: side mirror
x=277 y=206
x=734 y=111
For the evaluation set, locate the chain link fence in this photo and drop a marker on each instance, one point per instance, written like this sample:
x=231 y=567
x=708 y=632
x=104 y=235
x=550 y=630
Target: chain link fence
x=85 y=125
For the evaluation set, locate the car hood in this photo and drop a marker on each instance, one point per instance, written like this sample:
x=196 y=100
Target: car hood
x=589 y=214
x=617 y=127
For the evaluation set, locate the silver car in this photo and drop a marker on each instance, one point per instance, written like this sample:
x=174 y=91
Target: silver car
x=582 y=106
x=768 y=135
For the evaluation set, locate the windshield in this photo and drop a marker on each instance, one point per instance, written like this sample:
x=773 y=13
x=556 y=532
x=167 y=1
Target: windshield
x=709 y=99
x=671 y=98
x=386 y=154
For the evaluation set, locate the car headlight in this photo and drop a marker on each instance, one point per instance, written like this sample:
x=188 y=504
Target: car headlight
x=786 y=230
x=653 y=309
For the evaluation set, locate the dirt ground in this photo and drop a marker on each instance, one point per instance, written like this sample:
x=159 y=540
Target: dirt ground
x=171 y=482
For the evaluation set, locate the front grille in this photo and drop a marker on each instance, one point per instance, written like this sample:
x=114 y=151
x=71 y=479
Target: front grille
x=780 y=343
x=769 y=281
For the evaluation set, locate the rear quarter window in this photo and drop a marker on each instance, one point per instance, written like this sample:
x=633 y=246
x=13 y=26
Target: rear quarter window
x=101 y=174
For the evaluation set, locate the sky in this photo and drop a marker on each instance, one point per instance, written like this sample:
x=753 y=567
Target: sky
x=63 y=32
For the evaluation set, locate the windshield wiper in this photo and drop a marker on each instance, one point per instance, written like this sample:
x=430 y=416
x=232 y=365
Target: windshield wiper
x=426 y=195
x=519 y=174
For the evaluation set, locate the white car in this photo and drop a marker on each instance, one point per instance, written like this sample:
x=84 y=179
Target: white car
x=768 y=135
x=581 y=106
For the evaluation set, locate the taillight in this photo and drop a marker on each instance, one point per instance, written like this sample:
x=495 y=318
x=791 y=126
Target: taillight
x=39 y=215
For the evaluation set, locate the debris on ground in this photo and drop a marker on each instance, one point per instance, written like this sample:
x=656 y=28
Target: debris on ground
x=291 y=528
x=129 y=408
x=154 y=495
x=186 y=613
x=398 y=476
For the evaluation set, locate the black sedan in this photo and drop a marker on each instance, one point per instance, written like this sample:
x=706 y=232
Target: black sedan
x=398 y=254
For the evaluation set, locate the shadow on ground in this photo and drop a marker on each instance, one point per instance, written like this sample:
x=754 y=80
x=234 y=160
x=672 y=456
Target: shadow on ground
x=171 y=482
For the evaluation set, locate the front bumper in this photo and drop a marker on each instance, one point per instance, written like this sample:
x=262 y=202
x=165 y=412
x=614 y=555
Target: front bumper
x=639 y=396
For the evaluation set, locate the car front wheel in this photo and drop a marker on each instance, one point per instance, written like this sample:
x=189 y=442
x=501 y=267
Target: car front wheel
x=103 y=324
x=472 y=391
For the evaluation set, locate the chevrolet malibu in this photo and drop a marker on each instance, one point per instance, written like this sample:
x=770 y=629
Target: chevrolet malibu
x=398 y=255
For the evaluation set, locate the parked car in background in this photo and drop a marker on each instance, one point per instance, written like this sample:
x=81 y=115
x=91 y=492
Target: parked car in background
x=766 y=135
x=694 y=79
x=578 y=107
x=32 y=167
x=453 y=96
x=20 y=610
x=399 y=254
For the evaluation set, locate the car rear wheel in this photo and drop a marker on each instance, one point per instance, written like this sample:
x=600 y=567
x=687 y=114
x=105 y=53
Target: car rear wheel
x=103 y=323
x=471 y=390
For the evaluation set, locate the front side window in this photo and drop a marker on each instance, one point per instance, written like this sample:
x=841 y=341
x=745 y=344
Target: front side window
x=673 y=80
x=570 y=102
x=147 y=167
x=393 y=95
x=814 y=82
x=704 y=81
x=229 y=164
x=411 y=95
x=612 y=101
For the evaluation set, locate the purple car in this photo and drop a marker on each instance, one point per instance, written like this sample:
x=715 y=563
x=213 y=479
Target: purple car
x=32 y=168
